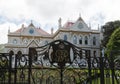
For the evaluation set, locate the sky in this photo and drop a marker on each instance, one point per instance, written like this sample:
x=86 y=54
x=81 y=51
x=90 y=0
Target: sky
x=45 y=13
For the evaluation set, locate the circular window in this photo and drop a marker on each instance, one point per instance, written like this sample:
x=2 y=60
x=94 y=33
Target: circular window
x=31 y=31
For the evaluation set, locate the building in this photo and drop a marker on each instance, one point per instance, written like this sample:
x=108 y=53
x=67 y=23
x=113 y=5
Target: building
x=76 y=32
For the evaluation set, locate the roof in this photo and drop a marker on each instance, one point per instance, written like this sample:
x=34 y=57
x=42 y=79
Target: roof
x=68 y=24
x=18 y=31
x=41 y=31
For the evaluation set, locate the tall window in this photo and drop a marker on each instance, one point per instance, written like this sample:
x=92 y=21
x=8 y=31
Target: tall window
x=94 y=40
x=75 y=40
x=65 y=37
x=80 y=40
x=86 y=40
x=94 y=53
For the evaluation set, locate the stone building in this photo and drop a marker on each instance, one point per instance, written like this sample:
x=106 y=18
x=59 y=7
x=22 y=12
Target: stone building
x=76 y=32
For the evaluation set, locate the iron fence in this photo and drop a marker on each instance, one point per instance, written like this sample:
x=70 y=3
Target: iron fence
x=58 y=62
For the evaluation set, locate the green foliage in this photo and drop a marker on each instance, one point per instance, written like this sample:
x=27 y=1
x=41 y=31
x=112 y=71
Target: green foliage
x=114 y=42
x=108 y=28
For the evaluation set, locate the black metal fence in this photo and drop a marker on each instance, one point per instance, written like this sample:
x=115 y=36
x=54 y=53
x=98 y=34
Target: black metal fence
x=59 y=62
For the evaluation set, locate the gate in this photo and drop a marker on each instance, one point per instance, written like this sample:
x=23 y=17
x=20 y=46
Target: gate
x=59 y=62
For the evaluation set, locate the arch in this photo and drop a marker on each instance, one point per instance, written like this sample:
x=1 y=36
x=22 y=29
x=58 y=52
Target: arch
x=19 y=54
x=11 y=52
x=75 y=39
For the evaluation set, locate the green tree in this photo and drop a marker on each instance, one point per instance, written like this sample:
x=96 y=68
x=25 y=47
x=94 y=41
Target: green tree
x=108 y=28
x=114 y=42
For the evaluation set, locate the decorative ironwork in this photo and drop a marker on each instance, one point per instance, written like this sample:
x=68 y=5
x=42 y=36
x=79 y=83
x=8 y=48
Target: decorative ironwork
x=58 y=62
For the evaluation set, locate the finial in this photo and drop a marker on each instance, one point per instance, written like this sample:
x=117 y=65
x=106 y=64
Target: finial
x=22 y=25
x=9 y=29
x=31 y=21
x=52 y=30
x=60 y=22
x=98 y=27
x=79 y=14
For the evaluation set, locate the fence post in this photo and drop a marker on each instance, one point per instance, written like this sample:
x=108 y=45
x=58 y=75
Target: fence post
x=10 y=66
x=89 y=66
x=30 y=64
x=102 y=67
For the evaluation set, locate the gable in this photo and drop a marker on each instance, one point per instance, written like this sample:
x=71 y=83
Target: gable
x=31 y=30
x=80 y=25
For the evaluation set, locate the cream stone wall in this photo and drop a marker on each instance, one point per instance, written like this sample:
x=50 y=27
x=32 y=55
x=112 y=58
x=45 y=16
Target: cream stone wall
x=31 y=36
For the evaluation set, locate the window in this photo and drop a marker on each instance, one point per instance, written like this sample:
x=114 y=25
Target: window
x=14 y=41
x=86 y=40
x=80 y=40
x=94 y=53
x=75 y=40
x=94 y=40
x=65 y=37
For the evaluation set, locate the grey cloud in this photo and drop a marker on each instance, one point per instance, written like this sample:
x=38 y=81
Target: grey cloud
x=47 y=8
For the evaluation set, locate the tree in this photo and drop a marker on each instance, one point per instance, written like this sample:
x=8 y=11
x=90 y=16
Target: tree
x=114 y=42
x=108 y=28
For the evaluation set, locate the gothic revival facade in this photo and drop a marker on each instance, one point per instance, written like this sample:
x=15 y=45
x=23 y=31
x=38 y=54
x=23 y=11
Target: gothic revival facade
x=76 y=32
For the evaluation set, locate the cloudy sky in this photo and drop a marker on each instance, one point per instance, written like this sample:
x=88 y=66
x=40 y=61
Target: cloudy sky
x=45 y=13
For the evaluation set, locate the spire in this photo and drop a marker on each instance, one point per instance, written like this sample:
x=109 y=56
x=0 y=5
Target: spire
x=9 y=29
x=98 y=27
x=80 y=19
x=31 y=24
x=60 y=23
x=79 y=14
x=52 y=30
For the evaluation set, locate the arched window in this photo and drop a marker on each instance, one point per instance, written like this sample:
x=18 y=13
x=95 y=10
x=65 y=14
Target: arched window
x=75 y=40
x=11 y=52
x=65 y=37
x=19 y=53
x=94 y=40
x=86 y=40
x=80 y=40
x=94 y=53
x=14 y=41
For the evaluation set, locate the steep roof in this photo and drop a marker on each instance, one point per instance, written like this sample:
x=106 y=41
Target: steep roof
x=68 y=24
x=41 y=31
x=38 y=30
